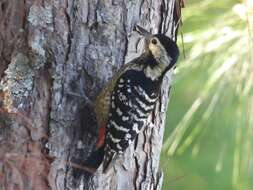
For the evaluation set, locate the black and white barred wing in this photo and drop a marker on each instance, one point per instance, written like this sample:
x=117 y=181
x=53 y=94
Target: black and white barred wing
x=130 y=107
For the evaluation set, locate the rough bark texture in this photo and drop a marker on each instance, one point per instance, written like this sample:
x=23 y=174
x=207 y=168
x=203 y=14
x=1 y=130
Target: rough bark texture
x=55 y=57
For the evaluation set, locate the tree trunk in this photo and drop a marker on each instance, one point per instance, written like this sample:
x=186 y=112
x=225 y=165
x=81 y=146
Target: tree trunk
x=56 y=55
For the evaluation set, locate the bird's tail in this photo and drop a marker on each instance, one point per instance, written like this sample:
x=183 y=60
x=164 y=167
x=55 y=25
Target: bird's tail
x=108 y=160
x=96 y=158
x=88 y=167
x=102 y=154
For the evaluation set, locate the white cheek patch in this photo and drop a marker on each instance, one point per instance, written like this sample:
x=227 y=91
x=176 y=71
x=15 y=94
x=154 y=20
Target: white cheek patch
x=155 y=50
x=161 y=56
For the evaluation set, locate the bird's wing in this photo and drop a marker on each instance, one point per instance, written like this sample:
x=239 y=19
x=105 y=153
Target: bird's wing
x=102 y=103
x=129 y=110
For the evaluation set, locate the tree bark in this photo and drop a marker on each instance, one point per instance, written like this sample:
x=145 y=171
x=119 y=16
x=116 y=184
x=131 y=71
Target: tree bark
x=56 y=55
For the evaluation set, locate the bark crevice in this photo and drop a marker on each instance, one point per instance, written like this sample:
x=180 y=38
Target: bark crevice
x=55 y=58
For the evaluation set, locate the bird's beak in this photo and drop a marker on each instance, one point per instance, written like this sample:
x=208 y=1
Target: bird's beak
x=147 y=35
x=142 y=31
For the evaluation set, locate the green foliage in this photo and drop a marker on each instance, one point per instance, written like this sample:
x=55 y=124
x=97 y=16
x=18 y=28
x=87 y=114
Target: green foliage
x=209 y=135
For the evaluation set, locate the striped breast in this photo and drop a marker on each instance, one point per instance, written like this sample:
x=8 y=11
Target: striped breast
x=132 y=101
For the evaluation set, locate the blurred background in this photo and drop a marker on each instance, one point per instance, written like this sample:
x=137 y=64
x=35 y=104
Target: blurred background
x=208 y=141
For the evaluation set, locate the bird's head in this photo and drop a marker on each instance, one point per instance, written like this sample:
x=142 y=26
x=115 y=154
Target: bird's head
x=161 y=47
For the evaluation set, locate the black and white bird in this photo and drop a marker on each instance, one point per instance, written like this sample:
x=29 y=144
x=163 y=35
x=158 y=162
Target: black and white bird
x=124 y=105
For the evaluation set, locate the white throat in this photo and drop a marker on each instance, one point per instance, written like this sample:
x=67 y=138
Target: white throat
x=155 y=72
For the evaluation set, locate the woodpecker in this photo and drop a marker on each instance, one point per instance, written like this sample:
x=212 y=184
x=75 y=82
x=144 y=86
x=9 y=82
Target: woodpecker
x=124 y=105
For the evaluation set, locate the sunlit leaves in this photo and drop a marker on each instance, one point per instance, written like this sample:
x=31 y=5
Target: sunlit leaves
x=217 y=77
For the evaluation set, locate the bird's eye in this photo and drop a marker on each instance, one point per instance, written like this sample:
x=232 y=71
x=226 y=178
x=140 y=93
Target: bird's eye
x=154 y=41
